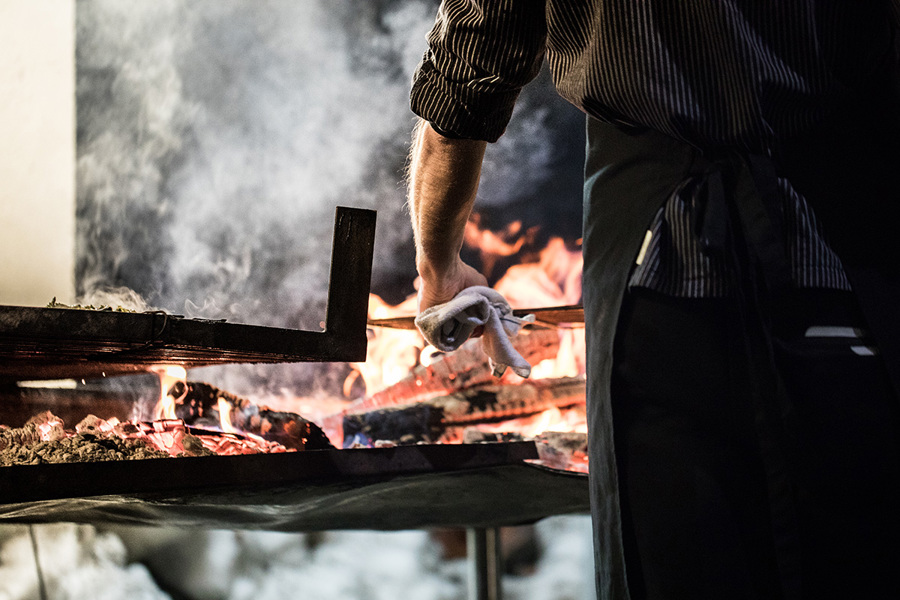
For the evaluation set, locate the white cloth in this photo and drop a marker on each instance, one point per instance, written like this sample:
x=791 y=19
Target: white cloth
x=448 y=325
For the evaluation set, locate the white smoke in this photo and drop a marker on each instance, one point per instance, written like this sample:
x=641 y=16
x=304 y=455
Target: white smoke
x=115 y=297
x=72 y=562
x=131 y=123
x=216 y=138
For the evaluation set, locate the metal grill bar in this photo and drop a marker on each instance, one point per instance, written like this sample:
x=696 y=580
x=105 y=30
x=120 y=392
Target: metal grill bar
x=56 y=343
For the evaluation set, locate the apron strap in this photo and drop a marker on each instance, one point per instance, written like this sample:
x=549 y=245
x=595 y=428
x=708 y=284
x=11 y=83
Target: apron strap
x=742 y=221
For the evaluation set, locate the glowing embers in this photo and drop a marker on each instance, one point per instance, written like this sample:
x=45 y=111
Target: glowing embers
x=205 y=406
x=44 y=439
x=190 y=419
x=168 y=377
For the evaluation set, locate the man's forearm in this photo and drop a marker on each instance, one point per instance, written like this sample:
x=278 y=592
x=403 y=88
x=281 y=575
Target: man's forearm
x=443 y=181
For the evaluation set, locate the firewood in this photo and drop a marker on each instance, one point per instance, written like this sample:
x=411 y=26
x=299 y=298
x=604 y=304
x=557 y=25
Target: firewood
x=427 y=420
x=465 y=367
x=198 y=404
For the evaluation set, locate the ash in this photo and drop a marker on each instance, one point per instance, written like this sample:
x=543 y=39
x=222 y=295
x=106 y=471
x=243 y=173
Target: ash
x=78 y=448
x=82 y=561
x=43 y=439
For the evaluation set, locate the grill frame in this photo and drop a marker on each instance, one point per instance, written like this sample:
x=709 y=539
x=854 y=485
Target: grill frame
x=406 y=487
x=61 y=343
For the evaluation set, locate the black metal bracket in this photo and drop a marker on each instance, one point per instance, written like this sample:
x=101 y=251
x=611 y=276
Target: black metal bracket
x=351 y=275
x=61 y=343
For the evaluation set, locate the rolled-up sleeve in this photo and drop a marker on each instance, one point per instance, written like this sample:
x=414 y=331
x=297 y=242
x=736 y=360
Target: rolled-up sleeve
x=480 y=55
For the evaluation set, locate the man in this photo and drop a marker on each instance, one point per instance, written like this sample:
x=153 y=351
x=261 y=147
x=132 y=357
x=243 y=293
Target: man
x=741 y=278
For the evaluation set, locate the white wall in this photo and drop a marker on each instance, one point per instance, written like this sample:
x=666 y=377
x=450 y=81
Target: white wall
x=37 y=151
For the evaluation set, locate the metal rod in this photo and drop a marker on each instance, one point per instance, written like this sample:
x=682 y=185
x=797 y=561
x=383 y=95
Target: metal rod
x=42 y=587
x=66 y=343
x=483 y=547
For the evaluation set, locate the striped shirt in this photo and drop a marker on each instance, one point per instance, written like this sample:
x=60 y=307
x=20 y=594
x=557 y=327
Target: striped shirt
x=716 y=74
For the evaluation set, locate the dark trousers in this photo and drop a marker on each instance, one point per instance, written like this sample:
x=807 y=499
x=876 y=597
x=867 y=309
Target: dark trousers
x=695 y=498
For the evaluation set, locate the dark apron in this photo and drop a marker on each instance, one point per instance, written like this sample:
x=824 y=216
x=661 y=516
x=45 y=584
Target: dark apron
x=849 y=172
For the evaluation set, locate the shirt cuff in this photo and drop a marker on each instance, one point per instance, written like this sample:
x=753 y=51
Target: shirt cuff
x=458 y=109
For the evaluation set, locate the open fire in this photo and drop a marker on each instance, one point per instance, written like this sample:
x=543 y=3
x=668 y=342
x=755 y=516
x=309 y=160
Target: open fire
x=411 y=393
x=382 y=475
x=45 y=438
x=416 y=394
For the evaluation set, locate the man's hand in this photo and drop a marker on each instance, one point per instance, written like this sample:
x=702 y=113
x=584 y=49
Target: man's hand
x=437 y=290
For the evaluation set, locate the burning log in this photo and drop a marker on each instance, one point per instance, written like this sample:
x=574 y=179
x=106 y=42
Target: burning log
x=465 y=367
x=178 y=439
x=203 y=405
x=428 y=420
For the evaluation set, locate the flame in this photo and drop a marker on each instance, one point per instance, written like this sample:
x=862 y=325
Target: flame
x=225 y=416
x=554 y=279
x=569 y=361
x=391 y=353
x=168 y=375
x=551 y=277
x=493 y=245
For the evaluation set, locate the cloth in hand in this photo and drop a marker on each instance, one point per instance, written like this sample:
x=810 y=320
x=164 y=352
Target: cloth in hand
x=446 y=326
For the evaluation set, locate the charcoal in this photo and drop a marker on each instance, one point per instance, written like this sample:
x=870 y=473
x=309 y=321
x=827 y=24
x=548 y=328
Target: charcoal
x=197 y=404
x=23 y=446
x=476 y=436
x=406 y=424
